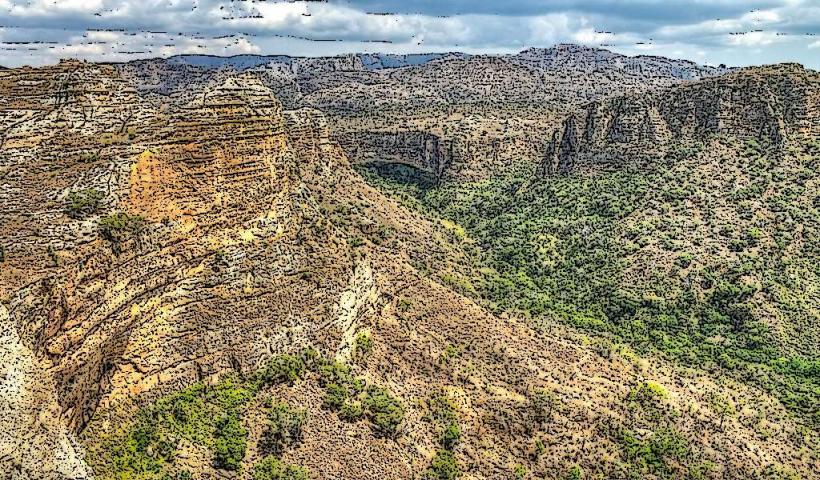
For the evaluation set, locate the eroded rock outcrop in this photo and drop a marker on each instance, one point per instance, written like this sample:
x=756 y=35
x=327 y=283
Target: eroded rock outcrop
x=769 y=104
x=220 y=188
x=424 y=151
x=34 y=443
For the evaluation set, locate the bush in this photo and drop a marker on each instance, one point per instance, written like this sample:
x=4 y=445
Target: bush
x=184 y=475
x=443 y=467
x=334 y=372
x=385 y=411
x=451 y=436
x=284 y=429
x=335 y=396
x=350 y=396
x=363 y=344
x=543 y=404
x=351 y=411
x=574 y=473
x=83 y=202
x=271 y=468
x=647 y=393
x=650 y=455
x=230 y=443
x=283 y=369
x=443 y=414
x=118 y=226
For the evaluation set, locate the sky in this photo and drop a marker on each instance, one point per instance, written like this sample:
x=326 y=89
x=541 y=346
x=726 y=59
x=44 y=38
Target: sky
x=732 y=32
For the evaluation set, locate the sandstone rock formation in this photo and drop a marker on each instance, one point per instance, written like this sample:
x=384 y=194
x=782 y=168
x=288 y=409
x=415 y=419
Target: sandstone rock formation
x=773 y=105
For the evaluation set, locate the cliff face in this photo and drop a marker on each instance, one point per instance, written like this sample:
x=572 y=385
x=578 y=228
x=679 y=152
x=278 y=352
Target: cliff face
x=564 y=58
x=420 y=150
x=770 y=104
x=219 y=188
x=116 y=318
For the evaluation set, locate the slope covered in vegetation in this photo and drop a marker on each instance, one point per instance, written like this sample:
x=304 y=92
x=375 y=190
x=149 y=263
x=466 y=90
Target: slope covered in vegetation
x=708 y=256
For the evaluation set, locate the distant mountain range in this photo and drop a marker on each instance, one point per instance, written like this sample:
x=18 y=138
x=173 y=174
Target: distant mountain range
x=559 y=57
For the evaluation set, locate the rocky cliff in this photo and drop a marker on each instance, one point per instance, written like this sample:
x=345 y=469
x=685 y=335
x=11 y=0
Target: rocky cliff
x=420 y=150
x=768 y=104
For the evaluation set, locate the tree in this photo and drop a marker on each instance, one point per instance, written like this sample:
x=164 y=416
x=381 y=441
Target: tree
x=230 y=443
x=271 y=468
x=284 y=429
x=722 y=406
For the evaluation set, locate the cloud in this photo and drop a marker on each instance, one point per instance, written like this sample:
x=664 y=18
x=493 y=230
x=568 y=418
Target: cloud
x=754 y=39
x=724 y=31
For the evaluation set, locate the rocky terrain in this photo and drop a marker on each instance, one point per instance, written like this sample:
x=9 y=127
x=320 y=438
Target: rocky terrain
x=196 y=282
x=484 y=112
x=773 y=105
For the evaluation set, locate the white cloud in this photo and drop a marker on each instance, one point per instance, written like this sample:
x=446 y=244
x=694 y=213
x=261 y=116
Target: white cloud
x=49 y=7
x=753 y=39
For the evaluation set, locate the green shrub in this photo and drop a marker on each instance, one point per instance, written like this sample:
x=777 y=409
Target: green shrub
x=404 y=305
x=540 y=448
x=684 y=259
x=722 y=406
x=451 y=436
x=184 y=475
x=335 y=396
x=351 y=411
x=271 y=468
x=145 y=449
x=542 y=404
x=284 y=429
x=352 y=398
x=334 y=372
x=574 y=473
x=443 y=415
x=450 y=352
x=384 y=411
x=363 y=344
x=651 y=455
x=647 y=392
x=83 y=202
x=444 y=466
x=282 y=369
x=119 y=226
x=230 y=443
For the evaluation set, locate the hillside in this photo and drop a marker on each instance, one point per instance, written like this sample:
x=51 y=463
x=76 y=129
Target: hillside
x=204 y=284
x=682 y=222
